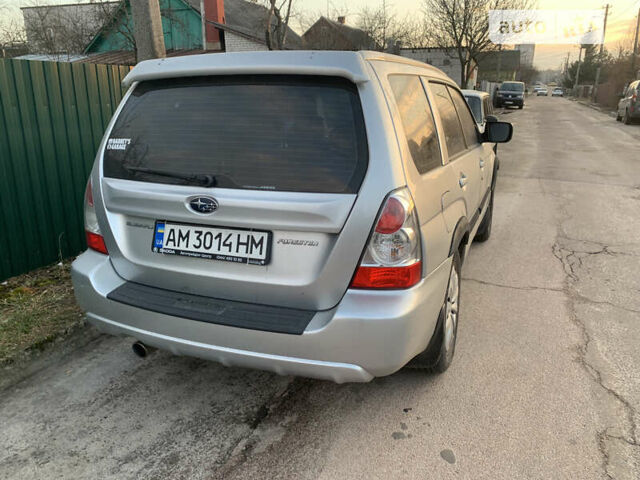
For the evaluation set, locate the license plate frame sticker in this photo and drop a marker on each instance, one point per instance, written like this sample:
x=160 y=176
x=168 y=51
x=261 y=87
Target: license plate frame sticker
x=238 y=245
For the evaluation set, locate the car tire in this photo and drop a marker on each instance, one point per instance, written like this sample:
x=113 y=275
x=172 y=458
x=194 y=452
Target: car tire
x=520 y=107
x=626 y=119
x=438 y=355
x=484 y=230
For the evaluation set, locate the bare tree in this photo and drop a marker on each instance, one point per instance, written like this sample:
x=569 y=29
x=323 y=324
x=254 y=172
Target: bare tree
x=64 y=29
x=12 y=38
x=624 y=45
x=277 y=23
x=387 y=32
x=463 y=26
x=306 y=20
x=12 y=34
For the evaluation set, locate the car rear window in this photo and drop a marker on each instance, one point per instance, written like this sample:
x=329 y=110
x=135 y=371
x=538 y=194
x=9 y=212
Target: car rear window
x=266 y=132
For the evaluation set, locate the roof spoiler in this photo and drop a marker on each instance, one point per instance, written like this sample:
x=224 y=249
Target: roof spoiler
x=349 y=65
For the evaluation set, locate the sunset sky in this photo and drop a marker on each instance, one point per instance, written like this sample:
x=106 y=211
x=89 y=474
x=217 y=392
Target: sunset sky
x=620 y=25
x=621 y=21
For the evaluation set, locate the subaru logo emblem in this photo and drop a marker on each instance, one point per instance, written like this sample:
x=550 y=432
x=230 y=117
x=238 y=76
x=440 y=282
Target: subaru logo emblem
x=203 y=204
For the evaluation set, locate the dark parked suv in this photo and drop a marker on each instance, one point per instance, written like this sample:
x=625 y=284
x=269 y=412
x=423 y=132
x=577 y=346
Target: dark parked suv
x=510 y=94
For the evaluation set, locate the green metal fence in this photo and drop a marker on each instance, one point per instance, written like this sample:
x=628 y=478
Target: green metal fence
x=52 y=118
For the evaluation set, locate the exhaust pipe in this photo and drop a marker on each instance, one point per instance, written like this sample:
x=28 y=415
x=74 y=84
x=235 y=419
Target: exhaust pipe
x=141 y=350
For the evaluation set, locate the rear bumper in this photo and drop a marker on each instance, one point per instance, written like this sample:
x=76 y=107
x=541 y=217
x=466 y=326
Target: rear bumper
x=368 y=334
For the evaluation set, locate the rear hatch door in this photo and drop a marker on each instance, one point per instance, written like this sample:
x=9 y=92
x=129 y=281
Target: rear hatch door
x=238 y=187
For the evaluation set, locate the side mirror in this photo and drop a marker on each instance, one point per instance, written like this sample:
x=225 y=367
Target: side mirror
x=491 y=118
x=497 y=132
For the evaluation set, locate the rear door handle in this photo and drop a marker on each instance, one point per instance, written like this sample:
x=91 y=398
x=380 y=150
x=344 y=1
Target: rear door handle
x=482 y=163
x=463 y=180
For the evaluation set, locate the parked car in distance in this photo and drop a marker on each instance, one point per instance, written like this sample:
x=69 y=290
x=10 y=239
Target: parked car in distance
x=481 y=107
x=318 y=234
x=510 y=94
x=557 y=92
x=629 y=104
x=543 y=92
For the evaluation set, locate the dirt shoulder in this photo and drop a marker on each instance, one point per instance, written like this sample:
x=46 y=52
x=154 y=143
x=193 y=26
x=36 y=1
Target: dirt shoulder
x=37 y=310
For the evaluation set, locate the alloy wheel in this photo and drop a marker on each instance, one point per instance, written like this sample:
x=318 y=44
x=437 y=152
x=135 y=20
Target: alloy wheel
x=451 y=312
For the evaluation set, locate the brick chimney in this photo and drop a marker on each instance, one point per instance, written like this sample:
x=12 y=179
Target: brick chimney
x=342 y=19
x=213 y=11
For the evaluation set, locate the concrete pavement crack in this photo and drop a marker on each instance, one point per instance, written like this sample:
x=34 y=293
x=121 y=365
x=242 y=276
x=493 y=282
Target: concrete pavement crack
x=501 y=285
x=602 y=448
x=272 y=410
x=244 y=444
x=584 y=299
x=571 y=260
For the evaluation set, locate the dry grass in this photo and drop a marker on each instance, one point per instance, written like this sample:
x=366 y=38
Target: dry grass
x=35 y=309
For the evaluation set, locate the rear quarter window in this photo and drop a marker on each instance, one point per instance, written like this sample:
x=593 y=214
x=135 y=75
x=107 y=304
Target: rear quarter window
x=467 y=121
x=476 y=107
x=417 y=121
x=265 y=132
x=451 y=125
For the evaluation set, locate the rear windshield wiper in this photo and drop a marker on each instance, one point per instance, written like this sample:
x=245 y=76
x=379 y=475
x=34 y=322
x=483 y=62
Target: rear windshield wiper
x=204 y=179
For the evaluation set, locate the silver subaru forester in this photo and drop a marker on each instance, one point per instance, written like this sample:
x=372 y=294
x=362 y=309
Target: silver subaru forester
x=306 y=213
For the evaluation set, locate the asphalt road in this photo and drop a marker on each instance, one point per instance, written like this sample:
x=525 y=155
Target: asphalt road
x=545 y=383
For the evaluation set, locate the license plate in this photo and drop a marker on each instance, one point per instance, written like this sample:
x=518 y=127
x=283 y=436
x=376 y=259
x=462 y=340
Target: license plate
x=213 y=243
x=508 y=101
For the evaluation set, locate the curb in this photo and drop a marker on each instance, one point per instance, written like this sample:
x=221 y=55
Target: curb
x=30 y=362
x=594 y=107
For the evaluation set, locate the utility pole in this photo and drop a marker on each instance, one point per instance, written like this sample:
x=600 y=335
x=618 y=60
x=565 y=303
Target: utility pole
x=604 y=32
x=604 y=27
x=575 y=83
x=147 y=29
x=635 y=49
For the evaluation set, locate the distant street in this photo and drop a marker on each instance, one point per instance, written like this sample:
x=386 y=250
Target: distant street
x=545 y=383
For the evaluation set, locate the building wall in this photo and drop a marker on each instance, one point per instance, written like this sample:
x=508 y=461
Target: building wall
x=181 y=25
x=440 y=58
x=237 y=43
x=527 y=53
x=498 y=65
x=322 y=36
x=494 y=76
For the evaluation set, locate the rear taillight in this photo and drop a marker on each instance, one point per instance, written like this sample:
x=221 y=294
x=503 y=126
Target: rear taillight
x=95 y=241
x=392 y=258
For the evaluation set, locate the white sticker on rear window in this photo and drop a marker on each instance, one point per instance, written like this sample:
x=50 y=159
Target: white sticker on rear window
x=118 y=143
